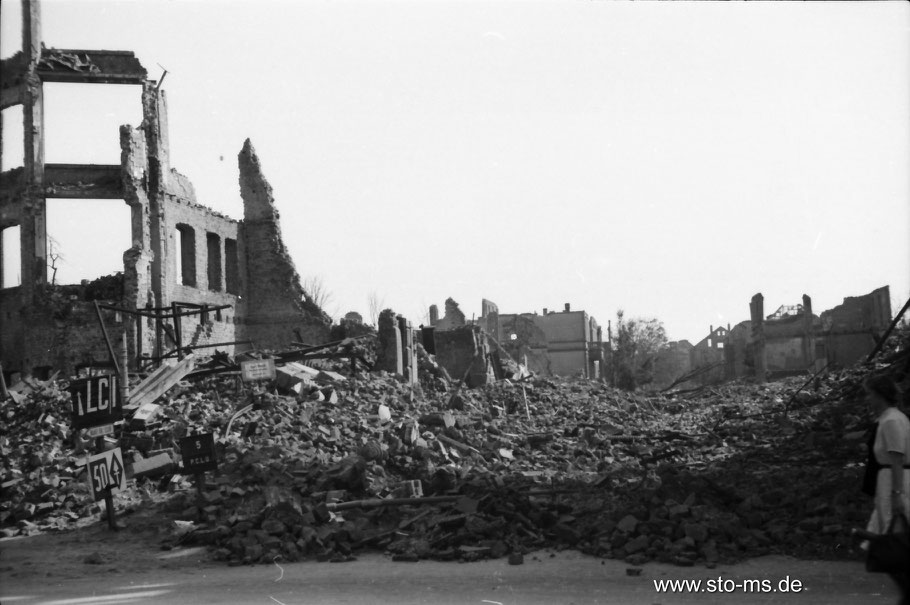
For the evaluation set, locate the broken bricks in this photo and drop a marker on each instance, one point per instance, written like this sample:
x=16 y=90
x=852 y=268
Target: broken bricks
x=613 y=474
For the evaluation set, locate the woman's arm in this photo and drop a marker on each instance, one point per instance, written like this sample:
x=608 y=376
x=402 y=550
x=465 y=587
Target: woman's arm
x=896 y=462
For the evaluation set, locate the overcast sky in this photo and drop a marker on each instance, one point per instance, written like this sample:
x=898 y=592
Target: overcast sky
x=669 y=159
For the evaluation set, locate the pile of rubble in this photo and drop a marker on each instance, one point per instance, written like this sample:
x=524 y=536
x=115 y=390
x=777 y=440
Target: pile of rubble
x=322 y=463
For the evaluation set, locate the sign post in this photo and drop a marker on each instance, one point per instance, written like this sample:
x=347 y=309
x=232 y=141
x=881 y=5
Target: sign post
x=257 y=369
x=106 y=474
x=96 y=401
x=96 y=406
x=198 y=453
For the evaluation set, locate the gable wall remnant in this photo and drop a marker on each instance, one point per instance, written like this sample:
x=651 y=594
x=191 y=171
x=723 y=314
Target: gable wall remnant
x=454 y=318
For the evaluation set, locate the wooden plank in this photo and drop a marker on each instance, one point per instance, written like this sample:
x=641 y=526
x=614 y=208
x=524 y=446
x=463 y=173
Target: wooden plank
x=161 y=380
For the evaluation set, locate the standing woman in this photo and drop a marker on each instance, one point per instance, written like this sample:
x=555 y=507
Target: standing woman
x=891 y=449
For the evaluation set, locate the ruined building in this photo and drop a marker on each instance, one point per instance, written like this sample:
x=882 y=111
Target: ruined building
x=790 y=341
x=568 y=343
x=564 y=343
x=793 y=340
x=192 y=278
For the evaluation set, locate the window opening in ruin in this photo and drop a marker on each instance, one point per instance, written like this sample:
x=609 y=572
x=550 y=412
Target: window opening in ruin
x=82 y=121
x=232 y=266
x=720 y=345
x=186 y=259
x=10 y=258
x=86 y=239
x=13 y=141
x=10 y=28
x=213 y=245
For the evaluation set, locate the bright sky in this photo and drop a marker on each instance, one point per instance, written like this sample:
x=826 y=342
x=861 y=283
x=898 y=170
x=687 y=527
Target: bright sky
x=669 y=159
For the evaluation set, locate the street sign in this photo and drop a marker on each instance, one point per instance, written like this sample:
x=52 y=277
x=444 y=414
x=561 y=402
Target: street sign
x=198 y=453
x=100 y=431
x=96 y=400
x=106 y=470
x=257 y=369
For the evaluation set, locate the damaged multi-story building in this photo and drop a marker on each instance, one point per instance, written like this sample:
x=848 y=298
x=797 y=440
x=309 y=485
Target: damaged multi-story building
x=790 y=341
x=565 y=343
x=193 y=278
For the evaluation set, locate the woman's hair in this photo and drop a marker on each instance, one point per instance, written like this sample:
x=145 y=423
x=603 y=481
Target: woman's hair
x=883 y=386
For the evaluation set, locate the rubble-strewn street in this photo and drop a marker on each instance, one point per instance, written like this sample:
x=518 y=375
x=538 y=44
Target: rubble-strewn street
x=324 y=468
x=279 y=364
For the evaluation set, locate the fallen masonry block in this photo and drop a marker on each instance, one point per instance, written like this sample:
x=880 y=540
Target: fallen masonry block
x=145 y=416
x=157 y=465
x=478 y=550
x=327 y=377
x=295 y=377
x=330 y=395
x=627 y=524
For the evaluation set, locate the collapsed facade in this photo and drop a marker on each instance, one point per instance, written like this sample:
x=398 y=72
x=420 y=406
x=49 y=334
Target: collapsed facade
x=192 y=278
x=790 y=341
x=567 y=343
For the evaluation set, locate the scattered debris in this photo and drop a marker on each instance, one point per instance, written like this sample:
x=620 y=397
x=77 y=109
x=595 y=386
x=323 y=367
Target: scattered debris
x=343 y=461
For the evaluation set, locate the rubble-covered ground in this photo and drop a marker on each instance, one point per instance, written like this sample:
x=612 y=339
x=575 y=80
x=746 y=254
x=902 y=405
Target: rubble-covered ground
x=345 y=463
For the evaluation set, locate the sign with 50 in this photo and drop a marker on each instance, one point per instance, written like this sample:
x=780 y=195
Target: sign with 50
x=105 y=471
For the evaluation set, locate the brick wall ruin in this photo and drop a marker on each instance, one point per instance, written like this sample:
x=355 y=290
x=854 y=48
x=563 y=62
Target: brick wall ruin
x=794 y=341
x=790 y=341
x=229 y=281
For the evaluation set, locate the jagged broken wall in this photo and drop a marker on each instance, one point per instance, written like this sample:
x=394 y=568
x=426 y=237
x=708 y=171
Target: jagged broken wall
x=277 y=307
x=182 y=252
x=803 y=342
x=464 y=352
x=852 y=328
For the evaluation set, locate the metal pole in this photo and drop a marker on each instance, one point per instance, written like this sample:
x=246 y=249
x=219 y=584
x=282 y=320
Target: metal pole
x=124 y=371
x=177 y=330
x=4 y=393
x=200 y=497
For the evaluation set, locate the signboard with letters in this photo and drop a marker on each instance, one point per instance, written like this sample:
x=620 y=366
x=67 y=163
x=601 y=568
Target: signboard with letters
x=100 y=431
x=106 y=470
x=198 y=452
x=257 y=369
x=96 y=400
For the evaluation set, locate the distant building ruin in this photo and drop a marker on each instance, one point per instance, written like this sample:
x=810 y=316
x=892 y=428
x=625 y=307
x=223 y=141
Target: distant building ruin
x=790 y=341
x=235 y=282
x=568 y=343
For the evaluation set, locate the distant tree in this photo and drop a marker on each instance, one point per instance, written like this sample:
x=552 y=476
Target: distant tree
x=55 y=256
x=635 y=349
x=375 y=304
x=316 y=292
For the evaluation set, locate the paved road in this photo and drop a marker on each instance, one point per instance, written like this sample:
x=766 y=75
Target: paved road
x=564 y=578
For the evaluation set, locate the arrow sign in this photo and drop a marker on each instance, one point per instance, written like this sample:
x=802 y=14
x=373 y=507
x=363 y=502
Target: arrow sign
x=116 y=470
x=105 y=471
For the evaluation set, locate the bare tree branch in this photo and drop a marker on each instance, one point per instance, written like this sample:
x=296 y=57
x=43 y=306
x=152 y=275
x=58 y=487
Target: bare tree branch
x=375 y=305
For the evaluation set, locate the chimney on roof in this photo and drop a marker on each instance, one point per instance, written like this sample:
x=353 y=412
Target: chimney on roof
x=544 y=310
x=568 y=307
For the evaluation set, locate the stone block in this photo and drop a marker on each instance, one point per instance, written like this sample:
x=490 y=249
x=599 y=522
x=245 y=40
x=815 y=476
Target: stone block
x=156 y=466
